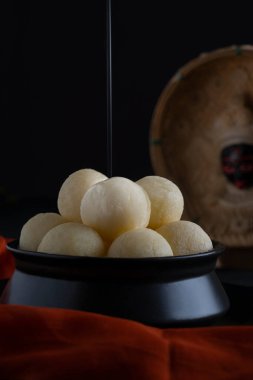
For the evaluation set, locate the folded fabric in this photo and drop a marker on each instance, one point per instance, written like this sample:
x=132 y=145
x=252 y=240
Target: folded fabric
x=44 y=343
x=7 y=264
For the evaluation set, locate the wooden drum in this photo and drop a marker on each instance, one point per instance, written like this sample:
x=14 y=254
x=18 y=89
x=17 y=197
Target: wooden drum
x=202 y=139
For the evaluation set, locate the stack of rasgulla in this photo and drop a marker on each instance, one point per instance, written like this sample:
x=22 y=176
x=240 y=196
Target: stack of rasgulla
x=135 y=219
x=186 y=237
x=73 y=190
x=114 y=206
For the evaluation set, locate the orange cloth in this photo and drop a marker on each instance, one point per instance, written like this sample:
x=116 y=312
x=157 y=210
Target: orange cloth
x=52 y=344
x=7 y=264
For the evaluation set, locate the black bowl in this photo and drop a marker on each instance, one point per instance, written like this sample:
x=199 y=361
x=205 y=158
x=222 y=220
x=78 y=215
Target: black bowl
x=182 y=290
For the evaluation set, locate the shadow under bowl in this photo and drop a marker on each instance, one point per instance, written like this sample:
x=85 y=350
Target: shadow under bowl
x=166 y=291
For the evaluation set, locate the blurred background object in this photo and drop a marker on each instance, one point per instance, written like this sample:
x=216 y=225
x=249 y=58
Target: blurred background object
x=202 y=134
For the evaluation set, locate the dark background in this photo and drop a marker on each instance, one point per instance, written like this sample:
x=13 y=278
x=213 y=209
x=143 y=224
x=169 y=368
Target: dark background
x=53 y=87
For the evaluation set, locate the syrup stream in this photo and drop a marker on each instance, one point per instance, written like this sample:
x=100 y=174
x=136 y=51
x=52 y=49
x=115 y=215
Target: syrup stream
x=109 y=85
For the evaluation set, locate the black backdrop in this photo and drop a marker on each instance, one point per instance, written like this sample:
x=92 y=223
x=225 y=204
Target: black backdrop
x=53 y=82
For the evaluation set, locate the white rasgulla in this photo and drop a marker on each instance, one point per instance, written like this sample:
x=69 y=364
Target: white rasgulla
x=186 y=238
x=72 y=239
x=167 y=202
x=114 y=206
x=142 y=242
x=35 y=228
x=72 y=191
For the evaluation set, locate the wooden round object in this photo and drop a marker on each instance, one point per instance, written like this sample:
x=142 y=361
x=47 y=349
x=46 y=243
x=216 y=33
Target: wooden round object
x=202 y=138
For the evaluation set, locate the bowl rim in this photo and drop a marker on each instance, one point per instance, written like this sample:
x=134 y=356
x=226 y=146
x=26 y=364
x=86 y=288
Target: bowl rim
x=13 y=246
x=141 y=270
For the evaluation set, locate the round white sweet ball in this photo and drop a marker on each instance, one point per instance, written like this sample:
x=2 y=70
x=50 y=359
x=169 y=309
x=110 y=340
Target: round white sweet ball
x=73 y=239
x=114 y=206
x=167 y=202
x=72 y=191
x=35 y=228
x=142 y=242
x=186 y=238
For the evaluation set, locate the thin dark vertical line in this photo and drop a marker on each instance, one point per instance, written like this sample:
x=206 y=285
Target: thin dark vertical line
x=109 y=84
